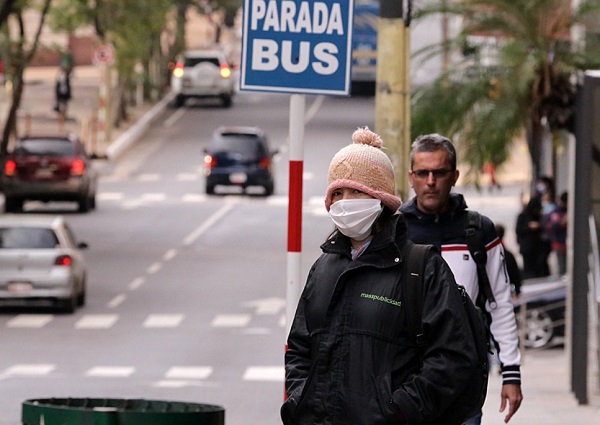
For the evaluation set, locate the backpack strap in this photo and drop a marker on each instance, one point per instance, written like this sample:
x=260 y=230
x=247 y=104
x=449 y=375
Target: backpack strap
x=474 y=236
x=415 y=257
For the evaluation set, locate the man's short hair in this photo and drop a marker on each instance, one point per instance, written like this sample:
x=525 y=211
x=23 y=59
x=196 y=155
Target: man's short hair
x=432 y=143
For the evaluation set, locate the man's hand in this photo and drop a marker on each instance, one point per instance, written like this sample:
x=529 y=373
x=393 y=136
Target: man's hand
x=511 y=394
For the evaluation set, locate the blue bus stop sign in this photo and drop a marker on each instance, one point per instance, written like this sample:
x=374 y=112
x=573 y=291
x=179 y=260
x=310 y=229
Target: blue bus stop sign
x=297 y=46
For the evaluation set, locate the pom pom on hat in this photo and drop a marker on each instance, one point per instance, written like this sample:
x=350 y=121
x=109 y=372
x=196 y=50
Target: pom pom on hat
x=365 y=167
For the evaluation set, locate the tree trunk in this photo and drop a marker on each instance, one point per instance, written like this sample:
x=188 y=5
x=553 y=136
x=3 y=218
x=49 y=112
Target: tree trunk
x=10 y=127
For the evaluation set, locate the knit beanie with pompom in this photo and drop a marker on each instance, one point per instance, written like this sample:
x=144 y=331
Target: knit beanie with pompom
x=365 y=167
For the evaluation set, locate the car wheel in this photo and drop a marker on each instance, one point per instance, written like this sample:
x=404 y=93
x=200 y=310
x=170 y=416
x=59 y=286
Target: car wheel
x=68 y=305
x=93 y=201
x=84 y=204
x=13 y=204
x=269 y=189
x=227 y=100
x=179 y=100
x=81 y=296
x=210 y=189
x=539 y=328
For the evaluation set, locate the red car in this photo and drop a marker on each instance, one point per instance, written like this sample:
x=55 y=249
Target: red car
x=49 y=168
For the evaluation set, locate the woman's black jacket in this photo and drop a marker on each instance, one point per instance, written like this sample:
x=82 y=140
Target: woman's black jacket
x=351 y=359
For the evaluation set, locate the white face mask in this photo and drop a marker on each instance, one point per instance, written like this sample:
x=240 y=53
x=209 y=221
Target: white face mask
x=355 y=217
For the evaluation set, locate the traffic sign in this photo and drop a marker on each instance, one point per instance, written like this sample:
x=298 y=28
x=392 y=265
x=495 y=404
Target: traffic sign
x=297 y=46
x=104 y=55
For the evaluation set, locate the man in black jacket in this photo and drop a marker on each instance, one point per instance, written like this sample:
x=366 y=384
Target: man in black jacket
x=351 y=357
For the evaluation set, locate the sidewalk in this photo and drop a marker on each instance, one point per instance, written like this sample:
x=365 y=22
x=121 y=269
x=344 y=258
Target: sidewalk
x=546 y=374
x=36 y=114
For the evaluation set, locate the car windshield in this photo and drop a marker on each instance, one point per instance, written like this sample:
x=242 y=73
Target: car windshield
x=191 y=62
x=246 y=145
x=27 y=238
x=48 y=147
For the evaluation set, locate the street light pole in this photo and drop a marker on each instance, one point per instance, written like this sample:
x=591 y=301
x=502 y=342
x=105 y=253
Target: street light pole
x=392 y=96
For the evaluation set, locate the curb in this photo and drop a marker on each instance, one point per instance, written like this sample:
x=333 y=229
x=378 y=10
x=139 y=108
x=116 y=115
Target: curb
x=137 y=130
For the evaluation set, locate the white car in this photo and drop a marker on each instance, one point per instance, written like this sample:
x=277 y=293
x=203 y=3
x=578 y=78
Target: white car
x=202 y=74
x=41 y=263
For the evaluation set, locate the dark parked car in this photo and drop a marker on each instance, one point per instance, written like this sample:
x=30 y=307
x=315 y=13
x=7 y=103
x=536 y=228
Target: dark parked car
x=544 y=322
x=239 y=156
x=49 y=168
x=41 y=262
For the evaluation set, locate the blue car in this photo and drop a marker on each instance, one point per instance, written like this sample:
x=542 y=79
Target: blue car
x=241 y=157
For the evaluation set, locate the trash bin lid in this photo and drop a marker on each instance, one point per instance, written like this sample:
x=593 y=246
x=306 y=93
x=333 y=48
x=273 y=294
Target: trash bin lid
x=111 y=411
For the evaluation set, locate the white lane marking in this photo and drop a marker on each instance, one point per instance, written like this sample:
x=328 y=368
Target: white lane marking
x=181 y=384
x=189 y=372
x=28 y=370
x=154 y=197
x=30 y=321
x=136 y=283
x=154 y=268
x=175 y=116
x=230 y=320
x=163 y=320
x=211 y=221
x=149 y=177
x=116 y=301
x=264 y=373
x=257 y=331
x=134 y=203
x=282 y=320
x=266 y=306
x=110 y=196
x=111 y=371
x=187 y=177
x=96 y=321
x=193 y=197
x=169 y=255
x=314 y=108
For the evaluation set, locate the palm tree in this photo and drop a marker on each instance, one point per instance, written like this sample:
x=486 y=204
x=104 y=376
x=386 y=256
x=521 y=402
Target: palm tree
x=526 y=87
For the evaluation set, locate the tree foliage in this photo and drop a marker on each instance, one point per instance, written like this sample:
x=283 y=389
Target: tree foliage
x=526 y=88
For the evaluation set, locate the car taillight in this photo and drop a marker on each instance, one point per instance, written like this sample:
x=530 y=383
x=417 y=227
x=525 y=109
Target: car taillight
x=77 y=167
x=178 y=71
x=63 y=260
x=265 y=162
x=225 y=70
x=10 y=167
x=210 y=161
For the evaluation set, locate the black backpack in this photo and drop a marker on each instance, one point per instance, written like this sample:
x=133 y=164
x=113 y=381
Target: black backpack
x=471 y=400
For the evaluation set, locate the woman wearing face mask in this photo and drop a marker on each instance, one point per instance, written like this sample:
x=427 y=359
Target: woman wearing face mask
x=351 y=358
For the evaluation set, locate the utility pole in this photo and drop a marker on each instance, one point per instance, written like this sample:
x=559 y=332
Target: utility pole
x=392 y=95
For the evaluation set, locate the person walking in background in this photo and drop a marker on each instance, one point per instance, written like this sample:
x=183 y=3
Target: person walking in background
x=62 y=91
x=512 y=267
x=532 y=246
x=351 y=358
x=436 y=216
x=556 y=228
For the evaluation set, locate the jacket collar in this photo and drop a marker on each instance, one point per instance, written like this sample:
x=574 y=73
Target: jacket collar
x=456 y=204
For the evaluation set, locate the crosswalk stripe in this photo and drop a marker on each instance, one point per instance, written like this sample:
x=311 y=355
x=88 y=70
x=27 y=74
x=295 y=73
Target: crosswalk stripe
x=29 y=369
x=265 y=373
x=163 y=320
x=189 y=372
x=230 y=320
x=30 y=321
x=96 y=321
x=111 y=371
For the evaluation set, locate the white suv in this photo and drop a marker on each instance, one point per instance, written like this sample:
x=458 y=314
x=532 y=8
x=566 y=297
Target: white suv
x=202 y=73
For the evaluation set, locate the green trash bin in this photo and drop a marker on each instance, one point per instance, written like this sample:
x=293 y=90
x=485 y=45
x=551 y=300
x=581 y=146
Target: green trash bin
x=110 y=411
